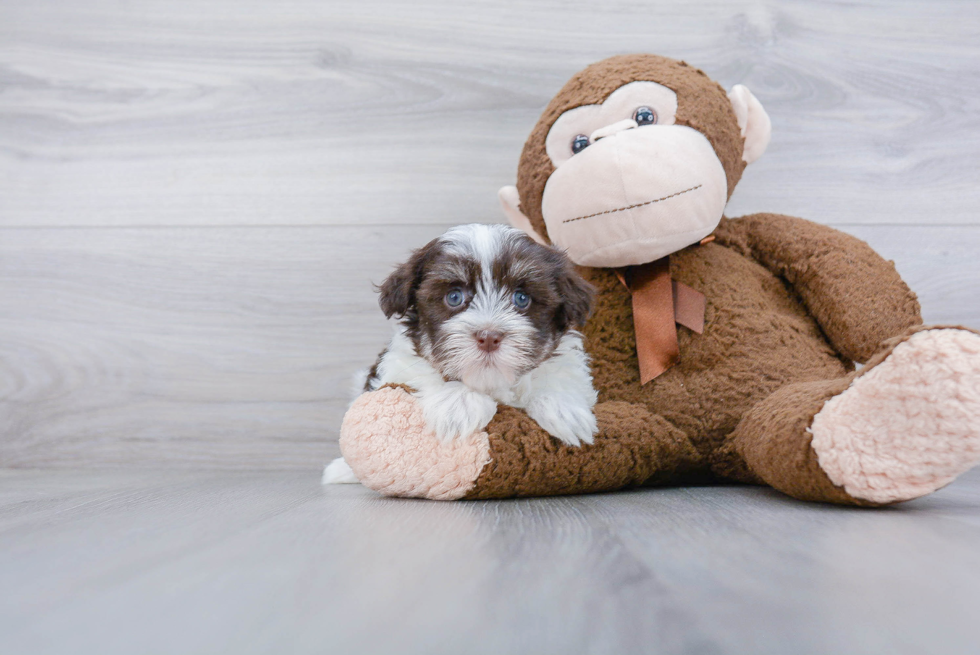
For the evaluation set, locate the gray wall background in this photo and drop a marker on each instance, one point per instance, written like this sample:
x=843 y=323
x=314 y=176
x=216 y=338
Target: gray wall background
x=195 y=197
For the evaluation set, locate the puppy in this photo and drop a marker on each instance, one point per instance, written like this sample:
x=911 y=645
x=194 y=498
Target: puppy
x=487 y=315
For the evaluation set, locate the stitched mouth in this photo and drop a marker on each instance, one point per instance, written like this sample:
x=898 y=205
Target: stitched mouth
x=639 y=204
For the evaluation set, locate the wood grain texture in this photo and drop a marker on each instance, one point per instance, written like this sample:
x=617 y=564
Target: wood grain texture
x=234 y=347
x=194 y=200
x=195 y=197
x=380 y=112
x=205 y=347
x=248 y=562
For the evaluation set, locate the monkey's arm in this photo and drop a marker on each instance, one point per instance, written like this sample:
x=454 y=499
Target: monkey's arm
x=385 y=442
x=856 y=296
x=633 y=447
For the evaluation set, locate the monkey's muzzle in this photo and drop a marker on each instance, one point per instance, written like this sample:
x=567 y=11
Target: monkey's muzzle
x=635 y=196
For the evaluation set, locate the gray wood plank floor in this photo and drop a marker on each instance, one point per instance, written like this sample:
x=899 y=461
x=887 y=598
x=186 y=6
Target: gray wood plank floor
x=252 y=562
x=194 y=200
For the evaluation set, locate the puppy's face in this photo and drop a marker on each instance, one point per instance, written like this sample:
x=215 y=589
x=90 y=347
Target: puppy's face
x=485 y=303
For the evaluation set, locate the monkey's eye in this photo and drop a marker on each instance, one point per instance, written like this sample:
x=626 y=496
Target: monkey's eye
x=579 y=143
x=644 y=116
x=455 y=298
x=521 y=300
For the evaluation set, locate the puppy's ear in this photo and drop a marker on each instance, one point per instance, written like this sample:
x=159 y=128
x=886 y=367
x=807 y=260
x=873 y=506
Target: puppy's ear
x=397 y=292
x=577 y=296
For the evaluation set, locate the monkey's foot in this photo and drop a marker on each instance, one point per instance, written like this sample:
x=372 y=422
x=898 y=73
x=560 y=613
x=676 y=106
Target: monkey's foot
x=910 y=424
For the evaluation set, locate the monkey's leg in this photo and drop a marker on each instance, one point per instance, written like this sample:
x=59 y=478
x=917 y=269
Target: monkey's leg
x=386 y=443
x=905 y=425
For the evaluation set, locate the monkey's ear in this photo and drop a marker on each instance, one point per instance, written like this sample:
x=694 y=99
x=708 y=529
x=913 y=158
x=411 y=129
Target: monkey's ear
x=397 y=292
x=510 y=200
x=753 y=121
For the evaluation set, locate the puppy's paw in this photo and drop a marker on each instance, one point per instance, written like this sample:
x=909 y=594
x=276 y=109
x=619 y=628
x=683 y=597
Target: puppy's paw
x=337 y=472
x=454 y=410
x=565 y=418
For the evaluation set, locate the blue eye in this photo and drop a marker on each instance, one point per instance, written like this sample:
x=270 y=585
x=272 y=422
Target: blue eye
x=521 y=300
x=454 y=298
x=644 y=116
x=579 y=143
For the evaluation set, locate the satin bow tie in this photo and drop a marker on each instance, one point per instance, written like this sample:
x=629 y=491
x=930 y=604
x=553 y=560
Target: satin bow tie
x=658 y=304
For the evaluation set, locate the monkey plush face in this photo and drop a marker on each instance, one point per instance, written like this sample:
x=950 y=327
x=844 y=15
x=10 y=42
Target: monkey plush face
x=633 y=160
x=628 y=182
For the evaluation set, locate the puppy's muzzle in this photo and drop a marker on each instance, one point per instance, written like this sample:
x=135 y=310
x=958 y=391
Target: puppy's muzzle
x=488 y=340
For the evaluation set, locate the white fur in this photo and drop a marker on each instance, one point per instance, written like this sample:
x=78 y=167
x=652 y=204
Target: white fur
x=454 y=410
x=337 y=472
x=358 y=382
x=490 y=309
x=400 y=364
x=558 y=393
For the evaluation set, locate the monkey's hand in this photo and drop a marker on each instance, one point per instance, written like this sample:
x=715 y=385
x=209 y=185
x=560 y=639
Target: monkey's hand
x=564 y=417
x=453 y=410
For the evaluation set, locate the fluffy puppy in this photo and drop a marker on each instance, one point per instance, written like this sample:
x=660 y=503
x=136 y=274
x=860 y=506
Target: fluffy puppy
x=487 y=315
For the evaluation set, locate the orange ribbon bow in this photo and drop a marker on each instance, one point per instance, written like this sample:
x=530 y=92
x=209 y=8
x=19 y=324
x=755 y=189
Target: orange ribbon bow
x=658 y=304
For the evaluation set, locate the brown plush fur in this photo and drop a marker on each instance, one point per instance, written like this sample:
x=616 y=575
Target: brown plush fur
x=857 y=298
x=762 y=368
x=789 y=304
x=635 y=447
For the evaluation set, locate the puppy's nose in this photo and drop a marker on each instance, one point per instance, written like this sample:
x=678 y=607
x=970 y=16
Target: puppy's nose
x=488 y=340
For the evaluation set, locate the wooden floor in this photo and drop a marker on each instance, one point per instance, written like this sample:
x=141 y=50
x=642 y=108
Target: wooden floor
x=270 y=562
x=195 y=198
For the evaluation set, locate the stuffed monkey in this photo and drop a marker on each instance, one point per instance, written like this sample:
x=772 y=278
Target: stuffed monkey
x=722 y=349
